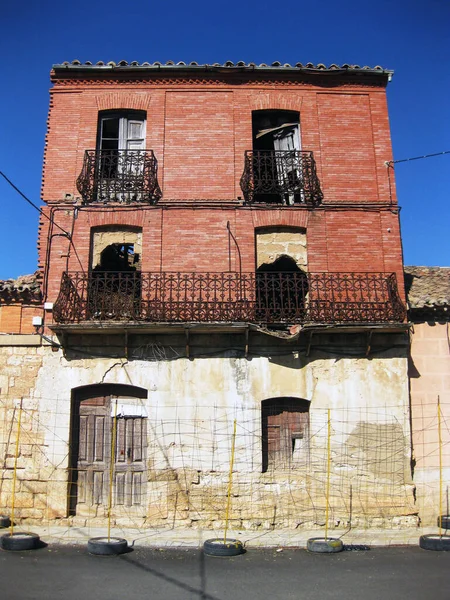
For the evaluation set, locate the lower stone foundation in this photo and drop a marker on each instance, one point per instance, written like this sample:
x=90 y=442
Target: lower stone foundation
x=353 y=454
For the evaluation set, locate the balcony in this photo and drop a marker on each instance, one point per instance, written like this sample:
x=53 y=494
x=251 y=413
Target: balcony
x=125 y=176
x=259 y=298
x=281 y=177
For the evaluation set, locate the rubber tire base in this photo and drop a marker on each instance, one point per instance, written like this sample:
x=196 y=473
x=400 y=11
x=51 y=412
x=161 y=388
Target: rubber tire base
x=23 y=540
x=5 y=521
x=434 y=541
x=444 y=521
x=324 y=546
x=101 y=546
x=216 y=547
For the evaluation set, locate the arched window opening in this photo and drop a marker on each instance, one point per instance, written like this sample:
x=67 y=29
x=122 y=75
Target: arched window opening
x=115 y=281
x=121 y=130
x=281 y=291
x=285 y=433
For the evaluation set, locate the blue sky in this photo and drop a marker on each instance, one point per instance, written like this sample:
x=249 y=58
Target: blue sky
x=412 y=37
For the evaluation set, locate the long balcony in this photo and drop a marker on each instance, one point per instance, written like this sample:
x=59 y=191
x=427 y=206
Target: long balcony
x=281 y=177
x=125 y=176
x=260 y=298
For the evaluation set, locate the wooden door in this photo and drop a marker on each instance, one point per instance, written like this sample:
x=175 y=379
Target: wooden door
x=131 y=443
x=93 y=453
x=99 y=424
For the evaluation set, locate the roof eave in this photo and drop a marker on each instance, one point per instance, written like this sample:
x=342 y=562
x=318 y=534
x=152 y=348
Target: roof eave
x=235 y=68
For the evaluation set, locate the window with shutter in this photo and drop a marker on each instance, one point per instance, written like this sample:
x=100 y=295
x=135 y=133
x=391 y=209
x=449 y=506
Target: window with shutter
x=121 y=154
x=285 y=433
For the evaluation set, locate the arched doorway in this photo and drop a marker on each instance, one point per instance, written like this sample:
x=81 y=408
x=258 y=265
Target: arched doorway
x=102 y=414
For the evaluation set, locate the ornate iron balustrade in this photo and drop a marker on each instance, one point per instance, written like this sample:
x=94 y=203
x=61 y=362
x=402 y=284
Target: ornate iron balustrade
x=125 y=176
x=265 y=298
x=284 y=177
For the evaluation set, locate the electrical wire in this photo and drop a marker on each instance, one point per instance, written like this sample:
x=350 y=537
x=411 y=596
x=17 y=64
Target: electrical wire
x=388 y=163
x=40 y=211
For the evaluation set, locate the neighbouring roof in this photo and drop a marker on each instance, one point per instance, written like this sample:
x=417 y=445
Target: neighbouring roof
x=228 y=65
x=24 y=289
x=428 y=290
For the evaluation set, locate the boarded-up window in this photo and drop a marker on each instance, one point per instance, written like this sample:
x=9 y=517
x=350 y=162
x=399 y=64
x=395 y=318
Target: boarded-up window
x=285 y=433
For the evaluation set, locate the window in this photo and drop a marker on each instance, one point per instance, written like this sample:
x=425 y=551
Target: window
x=276 y=146
x=121 y=155
x=285 y=433
x=281 y=291
x=121 y=130
x=115 y=279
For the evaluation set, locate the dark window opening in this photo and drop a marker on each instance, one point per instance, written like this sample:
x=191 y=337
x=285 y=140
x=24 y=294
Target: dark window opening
x=285 y=433
x=277 y=163
x=281 y=291
x=115 y=288
x=118 y=258
x=270 y=126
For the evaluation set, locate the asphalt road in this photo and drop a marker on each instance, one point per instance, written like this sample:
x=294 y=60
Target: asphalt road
x=69 y=573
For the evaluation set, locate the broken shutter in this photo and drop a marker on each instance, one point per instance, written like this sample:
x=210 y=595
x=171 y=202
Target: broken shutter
x=286 y=140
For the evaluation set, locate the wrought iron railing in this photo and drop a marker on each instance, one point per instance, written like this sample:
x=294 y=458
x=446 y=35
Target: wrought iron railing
x=125 y=176
x=283 y=177
x=263 y=298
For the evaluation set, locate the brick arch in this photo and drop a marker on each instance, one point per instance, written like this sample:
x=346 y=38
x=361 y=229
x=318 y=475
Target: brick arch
x=120 y=218
x=281 y=218
x=276 y=101
x=121 y=100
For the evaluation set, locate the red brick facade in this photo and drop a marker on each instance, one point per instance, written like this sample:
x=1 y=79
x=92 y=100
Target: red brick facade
x=199 y=129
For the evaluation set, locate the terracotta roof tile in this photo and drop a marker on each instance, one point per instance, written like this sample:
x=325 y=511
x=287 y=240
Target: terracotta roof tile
x=25 y=288
x=229 y=64
x=428 y=287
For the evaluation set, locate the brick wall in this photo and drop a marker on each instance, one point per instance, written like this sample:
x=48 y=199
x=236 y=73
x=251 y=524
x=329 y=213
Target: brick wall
x=18 y=318
x=197 y=239
x=199 y=132
x=199 y=135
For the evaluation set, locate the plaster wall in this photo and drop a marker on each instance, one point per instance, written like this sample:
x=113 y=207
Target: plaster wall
x=191 y=408
x=429 y=372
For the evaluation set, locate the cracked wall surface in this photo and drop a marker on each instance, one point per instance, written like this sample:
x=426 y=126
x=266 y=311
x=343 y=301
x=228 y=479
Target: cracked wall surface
x=190 y=408
x=274 y=242
x=104 y=237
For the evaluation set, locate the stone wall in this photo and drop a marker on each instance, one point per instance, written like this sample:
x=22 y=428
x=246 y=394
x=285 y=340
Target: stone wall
x=189 y=413
x=275 y=242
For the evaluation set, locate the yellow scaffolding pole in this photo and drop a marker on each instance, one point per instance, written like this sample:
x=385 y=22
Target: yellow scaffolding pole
x=230 y=480
x=111 y=468
x=16 y=455
x=327 y=495
x=440 y=463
